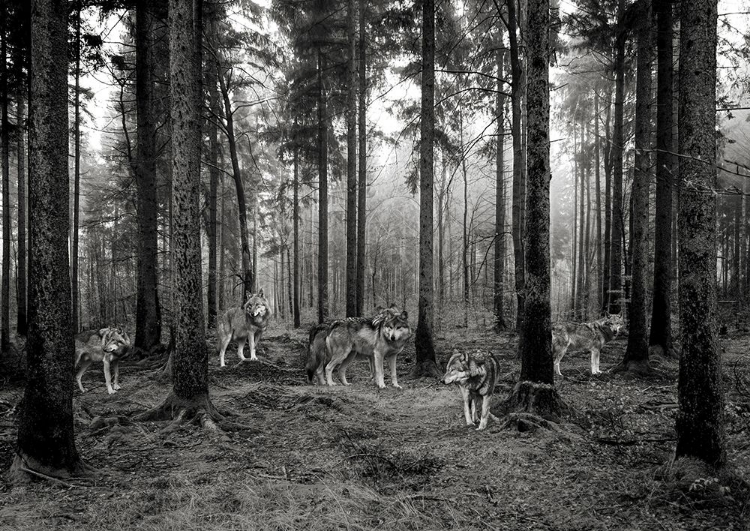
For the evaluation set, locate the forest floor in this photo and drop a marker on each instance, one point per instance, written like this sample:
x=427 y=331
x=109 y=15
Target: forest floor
x=356 y=457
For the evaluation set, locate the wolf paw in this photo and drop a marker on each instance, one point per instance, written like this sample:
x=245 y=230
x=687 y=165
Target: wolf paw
x=116 y=387
x=111 y=391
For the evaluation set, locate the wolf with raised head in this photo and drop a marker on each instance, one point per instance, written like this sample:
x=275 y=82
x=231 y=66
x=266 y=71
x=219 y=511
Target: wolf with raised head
x=476 y=374
x=378 y=339
x=243 y=324
x=585 y=336
x=107 y=345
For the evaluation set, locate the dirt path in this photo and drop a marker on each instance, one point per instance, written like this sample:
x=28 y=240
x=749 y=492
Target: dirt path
x=361 y=458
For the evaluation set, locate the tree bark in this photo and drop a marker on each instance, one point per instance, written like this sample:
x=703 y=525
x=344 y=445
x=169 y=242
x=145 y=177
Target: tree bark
x=46 y=441
x=322 y=194
x=499 y=259
x=362 y=184
x=148 y=313
x=425 y=347
x=21 y=296
x=700 y=421
x=5 y=155
x=636 y=355
x=295 y=225
x=351 y=165
x=661 y=328
x=213 y=175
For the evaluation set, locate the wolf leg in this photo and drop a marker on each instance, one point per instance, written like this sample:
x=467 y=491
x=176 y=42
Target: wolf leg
x=467 y=407
x=84 y=365
x=224 y=339
x=558 y=358
x=108 y=376
x=251 y=341
x=394 y=377
x=595 y=361
x=241 y=347
x=344 y=365
x=116 y=370
x=379 y=376
x=485 y=412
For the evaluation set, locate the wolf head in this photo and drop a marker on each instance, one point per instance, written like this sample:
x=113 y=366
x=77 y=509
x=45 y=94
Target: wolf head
x=115 y=340
x=615 y=322
x=256 y=306
x=457 y=370
x=395 y=324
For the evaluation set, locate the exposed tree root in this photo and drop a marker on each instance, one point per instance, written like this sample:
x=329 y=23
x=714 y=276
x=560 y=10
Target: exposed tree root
x=199 y=411
x=533 y=405
x=25 y=468
x=426 y=369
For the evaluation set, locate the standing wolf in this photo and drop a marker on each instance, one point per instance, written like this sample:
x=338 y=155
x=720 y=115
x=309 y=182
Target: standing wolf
x=476 y=374
x=246 y=323
x=379 y=338
x=108 y=345
x=585 y=336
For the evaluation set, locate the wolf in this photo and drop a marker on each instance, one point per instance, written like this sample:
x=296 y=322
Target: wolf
x=476 y=374
x=108 y=345
x=378 y=338
x=585 y=336
x=245 y=323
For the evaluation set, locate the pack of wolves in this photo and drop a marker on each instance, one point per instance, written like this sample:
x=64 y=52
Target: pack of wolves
x=334 y=345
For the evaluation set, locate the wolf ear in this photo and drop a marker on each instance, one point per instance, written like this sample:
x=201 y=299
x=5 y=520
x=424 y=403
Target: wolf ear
x=103 y=331
x=260 y=292
x=379 y=308
x=404 y=315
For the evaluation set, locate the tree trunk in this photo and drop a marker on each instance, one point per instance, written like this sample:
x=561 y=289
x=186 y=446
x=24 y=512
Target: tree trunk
x=615 y=269
x=425 y=347
x=351 y=166
x=636 y=354
x=597 y=175
x=362 y=185
x=21 y=322
x=46 y=441
x=5 y=155
x=499 y=259
x=213 y=175
x=247 y=266
x=580 y=283
x=189 y=397
x=535 y=392
x=700 y=424
x=519 y=198
x=322 y=194
x=295 y=237
x=148 y=314
x=606 y=277
x=661 y=329
x=465 y=246
x=574 y=229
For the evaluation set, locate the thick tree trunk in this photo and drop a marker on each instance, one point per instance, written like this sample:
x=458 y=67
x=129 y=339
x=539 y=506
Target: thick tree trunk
x=148 y=314
x=700 y=421
x=46 y=442
x=535 y=392
x=425 y=347
x=322 y=194
x=499 y=259
x=636 y=354
x=351 y=166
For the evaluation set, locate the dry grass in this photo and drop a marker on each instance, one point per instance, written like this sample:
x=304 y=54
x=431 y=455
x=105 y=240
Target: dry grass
x=359 y=458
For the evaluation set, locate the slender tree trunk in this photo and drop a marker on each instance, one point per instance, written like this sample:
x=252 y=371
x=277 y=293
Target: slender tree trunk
x=700 y=421
x=499 y=259
x=580 y=282
x=46 y=441
x=597 y=174
x=322 y=194
x=606 y=277
x=21 y=322
x=615 y=269
x=351 y=165
x=574 y=229
x=424 y=343
x=465 y=247
x=148 y=313
x=295 y=225
x=587 y=235
x=213 y=175
x=441 y=239
x=248 y=279
x=362 y=184
x=636 y=354
x=519 y=198
x=5 y=149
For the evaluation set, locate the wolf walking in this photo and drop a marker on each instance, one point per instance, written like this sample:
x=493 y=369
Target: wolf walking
x=244 y=324
x=585 y=336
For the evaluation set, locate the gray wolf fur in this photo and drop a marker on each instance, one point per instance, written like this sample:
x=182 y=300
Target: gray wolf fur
x=244 y=324
x=378 y=339
x=585 y=336
x=476 y=374
x=109 y=346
